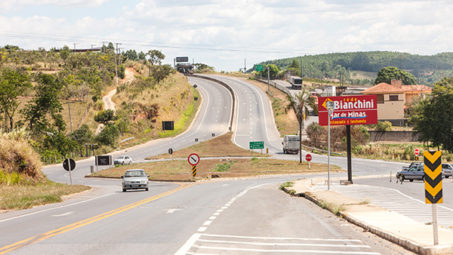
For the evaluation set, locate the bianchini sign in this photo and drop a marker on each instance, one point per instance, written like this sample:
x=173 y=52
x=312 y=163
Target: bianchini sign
x=349 y=110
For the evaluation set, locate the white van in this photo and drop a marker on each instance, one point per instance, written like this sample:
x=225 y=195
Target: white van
x=291 y=144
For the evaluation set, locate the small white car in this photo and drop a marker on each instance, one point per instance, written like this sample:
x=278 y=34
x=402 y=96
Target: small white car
x=122 y=160
x=135 y=179
x=447 y=170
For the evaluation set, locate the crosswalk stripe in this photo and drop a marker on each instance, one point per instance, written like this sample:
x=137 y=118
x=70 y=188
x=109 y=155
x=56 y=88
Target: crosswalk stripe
x=285 y=244
x=285 y=251
x=284 y=238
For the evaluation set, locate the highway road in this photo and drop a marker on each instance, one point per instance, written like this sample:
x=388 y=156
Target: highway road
x=244 y=216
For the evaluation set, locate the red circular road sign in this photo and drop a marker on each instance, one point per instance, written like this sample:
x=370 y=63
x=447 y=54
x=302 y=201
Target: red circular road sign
x=416 y=151
x=308 y=157
x=193 y=159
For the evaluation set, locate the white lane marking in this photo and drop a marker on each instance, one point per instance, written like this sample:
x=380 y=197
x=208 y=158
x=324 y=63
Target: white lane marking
x=286 y=251
x=202 y=229
x=169 y=211
x=212 y=218
x=63 y=214
x=185 y=248
x=54 y=208
x=286 y=244
x=285 y=238
x=216 y=214
x=207 y=223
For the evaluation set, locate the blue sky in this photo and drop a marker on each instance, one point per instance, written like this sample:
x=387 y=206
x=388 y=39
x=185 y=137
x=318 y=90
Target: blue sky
x=224 y=33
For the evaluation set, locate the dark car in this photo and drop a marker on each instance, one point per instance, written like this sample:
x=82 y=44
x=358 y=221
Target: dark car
x=415 y=172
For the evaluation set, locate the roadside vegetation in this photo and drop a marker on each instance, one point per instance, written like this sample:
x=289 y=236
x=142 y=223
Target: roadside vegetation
x=22 y=184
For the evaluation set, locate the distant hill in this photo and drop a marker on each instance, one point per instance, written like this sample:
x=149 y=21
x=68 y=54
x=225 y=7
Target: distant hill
x=427 y=69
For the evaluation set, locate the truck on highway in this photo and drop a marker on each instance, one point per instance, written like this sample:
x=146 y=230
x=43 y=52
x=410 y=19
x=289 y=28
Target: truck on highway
x=295 y=81
x=291 y=144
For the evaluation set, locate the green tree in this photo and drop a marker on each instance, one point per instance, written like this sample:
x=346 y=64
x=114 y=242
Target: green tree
x=13 y=83
x=105 y=117
x=389 y=73
x=109 y=135
x=64 y=53
x=82 y=135
x=433 y=117
x=155 y=57
x=46 y=102
x=301 y=105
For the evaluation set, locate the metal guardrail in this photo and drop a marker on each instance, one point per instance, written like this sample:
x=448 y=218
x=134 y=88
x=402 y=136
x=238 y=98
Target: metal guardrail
x=277 y=86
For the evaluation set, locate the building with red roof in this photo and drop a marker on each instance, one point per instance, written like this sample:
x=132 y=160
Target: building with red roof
x=394 y=99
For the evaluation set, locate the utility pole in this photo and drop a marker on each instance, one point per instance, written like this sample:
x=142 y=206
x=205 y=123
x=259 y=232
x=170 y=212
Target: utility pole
x=69 y=109
x=245 y=65
x=74 y=47
x=116 y=63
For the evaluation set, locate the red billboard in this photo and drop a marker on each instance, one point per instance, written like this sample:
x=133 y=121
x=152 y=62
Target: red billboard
x=349 y=110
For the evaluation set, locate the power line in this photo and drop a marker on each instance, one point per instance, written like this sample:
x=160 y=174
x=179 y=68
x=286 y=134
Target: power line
x=156 y=45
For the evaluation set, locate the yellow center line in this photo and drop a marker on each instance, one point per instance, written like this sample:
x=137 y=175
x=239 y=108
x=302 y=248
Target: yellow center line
x=87 y=221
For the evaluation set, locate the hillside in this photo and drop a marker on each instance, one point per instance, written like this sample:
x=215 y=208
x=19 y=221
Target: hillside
x=427 y=69
x=56 y=96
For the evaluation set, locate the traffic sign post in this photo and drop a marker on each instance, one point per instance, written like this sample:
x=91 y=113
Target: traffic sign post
x=69 y=165
x=256 y=145
x=259 y=68
x=170 y=151
x=433 y=185
x=308 y=158
x=193 y=160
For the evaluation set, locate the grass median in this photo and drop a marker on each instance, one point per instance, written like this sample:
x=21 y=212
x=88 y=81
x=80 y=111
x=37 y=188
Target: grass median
x=221 y=146
x=180 y=170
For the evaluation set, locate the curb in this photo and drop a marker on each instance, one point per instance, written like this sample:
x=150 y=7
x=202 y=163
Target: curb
x=410 y=245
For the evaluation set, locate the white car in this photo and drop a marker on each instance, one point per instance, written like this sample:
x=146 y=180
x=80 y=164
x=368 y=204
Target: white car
x=123 y=160
x=447 y=170
x=135 y=179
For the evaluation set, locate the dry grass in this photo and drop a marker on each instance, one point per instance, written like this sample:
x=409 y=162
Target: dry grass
x=180 y=170
x=27 y=196
x=17 y=156
x=221 y=146
x=285 y=118
x=175 y=98
x=79 y=113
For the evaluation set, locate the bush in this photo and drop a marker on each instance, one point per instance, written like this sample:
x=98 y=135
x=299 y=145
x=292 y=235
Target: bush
x=108 y=136
x=383 y=126
x=18 y=156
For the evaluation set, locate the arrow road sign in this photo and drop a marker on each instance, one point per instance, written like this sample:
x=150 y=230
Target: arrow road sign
x=433 y=177
x=193 y=159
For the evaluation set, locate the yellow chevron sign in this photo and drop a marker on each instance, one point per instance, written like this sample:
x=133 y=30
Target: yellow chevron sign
x=433 y=177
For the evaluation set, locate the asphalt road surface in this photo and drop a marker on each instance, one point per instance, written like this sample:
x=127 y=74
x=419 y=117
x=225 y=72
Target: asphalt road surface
x=244 y=216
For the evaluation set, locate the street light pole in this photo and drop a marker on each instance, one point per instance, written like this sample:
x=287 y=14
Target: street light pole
x=268 y=79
